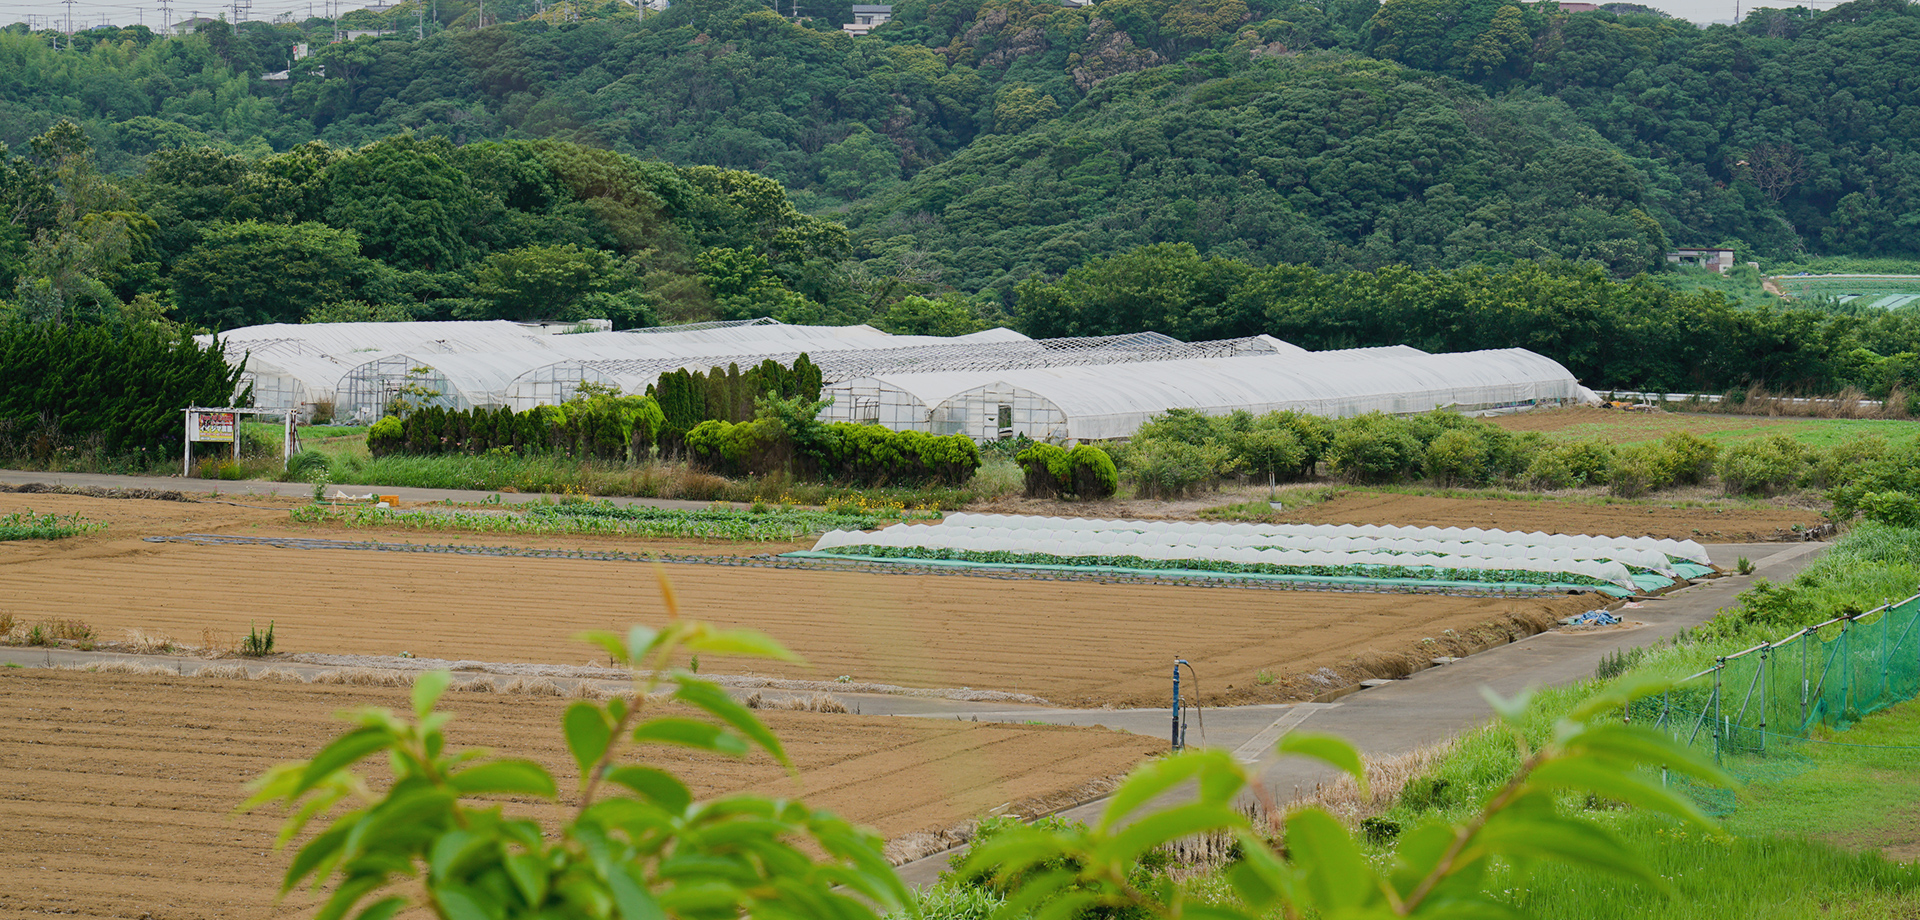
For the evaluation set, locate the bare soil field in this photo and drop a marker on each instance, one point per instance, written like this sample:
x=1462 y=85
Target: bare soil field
x=1711 y=524
x=120 y=788
x=1073 y=643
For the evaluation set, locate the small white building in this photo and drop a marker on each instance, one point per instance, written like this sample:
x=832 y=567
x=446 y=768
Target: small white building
x=867 y=18
x=1719 y=260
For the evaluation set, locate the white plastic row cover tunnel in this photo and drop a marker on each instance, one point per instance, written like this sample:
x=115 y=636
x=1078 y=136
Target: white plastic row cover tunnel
x=932 y=538
x=1687 y=550
x=1121 y=542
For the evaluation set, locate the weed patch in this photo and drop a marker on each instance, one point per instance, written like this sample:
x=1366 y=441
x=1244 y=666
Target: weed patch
x=25 y=525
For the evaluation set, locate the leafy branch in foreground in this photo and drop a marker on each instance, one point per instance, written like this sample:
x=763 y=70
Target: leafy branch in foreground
x=636 y=844
x=1437 y=870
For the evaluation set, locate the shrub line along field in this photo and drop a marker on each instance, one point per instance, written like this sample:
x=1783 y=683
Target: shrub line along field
x=120 y=787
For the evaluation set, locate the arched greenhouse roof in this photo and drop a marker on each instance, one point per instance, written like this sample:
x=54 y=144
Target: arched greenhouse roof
x=1100 y=402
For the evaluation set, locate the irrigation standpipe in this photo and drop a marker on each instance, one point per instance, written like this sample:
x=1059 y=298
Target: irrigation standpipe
x=1179 y=720
x=1179 y=740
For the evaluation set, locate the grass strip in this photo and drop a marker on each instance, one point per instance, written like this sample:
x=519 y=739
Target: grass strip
x=704 y=524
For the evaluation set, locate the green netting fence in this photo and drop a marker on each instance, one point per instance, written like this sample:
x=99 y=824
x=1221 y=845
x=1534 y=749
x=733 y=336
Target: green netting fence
x=1754 y=711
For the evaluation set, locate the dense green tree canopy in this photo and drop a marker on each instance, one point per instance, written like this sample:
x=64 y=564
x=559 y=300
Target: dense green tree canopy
x=1791 y=132
x=248 y=273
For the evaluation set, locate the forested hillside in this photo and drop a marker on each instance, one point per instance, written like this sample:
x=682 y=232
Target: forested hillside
x=1791 y=132
x=408 y=228
x=719 y=159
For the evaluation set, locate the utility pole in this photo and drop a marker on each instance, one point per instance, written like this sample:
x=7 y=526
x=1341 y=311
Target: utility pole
x=420 y=22
x=69 y=4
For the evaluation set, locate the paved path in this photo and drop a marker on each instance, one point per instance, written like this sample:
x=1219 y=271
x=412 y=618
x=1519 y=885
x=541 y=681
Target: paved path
x=1441 y=702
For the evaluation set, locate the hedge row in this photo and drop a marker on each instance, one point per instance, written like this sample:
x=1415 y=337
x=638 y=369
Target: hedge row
x=1184 y=450
x=1085 y=472
x=688 y=398
x=841 y=451
x=600 y=427
x=124 y=384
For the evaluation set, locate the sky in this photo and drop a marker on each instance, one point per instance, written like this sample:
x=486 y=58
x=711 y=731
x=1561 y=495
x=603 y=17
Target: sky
x=88 y=13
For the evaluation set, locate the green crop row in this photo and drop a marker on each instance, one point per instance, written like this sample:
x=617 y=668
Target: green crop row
x=809 y=520
x=705 y=524
x=25 y=525
x=1358 y=570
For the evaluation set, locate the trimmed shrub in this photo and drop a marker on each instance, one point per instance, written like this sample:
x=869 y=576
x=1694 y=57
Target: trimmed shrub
x=387 y=436
x=1170 y=469
x=1691 y=459
x=601 y=426
x=1509 y=454
x=1574 y=463
x=732 y=449
x=1049 y=470
x=1375 y=448
x=1459 y=456
x=1268 y=450
x=1641 y=468
x=1094 y=476
x=1764 y=466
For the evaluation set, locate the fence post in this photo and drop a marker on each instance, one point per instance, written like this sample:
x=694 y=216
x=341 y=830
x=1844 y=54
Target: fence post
x=1766 y=698
x=1846 y=667
x=1804 y=636
x=1886 y=654
x=1719 y=665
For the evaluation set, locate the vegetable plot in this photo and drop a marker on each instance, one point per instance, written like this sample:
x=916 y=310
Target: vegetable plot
x=606 y=518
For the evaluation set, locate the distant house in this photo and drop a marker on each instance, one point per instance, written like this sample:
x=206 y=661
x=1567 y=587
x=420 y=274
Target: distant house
x=1719 y=260
x=1566 y=7
x=189 y=26
x=866 y=18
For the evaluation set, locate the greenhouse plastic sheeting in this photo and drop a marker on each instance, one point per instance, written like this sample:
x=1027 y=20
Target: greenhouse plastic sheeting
x=308 y=362
x=994 y=383
x=1100 y=402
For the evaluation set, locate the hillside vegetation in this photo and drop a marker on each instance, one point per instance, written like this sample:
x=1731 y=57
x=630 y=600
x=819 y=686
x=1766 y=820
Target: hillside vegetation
x=1445 y=173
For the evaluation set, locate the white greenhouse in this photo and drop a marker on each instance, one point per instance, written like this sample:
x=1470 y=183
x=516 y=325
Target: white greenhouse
x=987 y=385
x=1106 y=401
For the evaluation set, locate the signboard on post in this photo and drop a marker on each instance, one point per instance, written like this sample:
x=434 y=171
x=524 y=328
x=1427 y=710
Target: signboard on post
x=222 y=426
x=213 y=426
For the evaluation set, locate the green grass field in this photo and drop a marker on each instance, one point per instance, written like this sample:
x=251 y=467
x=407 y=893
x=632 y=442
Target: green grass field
x=1885 y=290
x=1634 y=427
x=1858 y=789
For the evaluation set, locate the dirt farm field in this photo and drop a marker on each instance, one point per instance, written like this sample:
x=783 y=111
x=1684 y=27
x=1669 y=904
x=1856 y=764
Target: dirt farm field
x=119 y=788
x=1072 y=643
